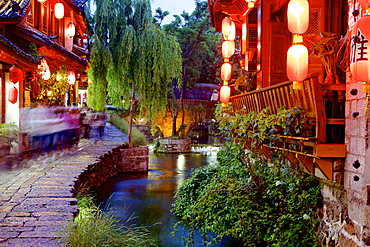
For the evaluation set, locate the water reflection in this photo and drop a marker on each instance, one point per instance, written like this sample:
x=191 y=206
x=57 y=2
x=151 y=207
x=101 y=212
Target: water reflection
x=148 y=197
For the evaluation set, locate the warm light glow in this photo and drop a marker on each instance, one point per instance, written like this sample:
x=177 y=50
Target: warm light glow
x=228 y=29
x=228 y=48
x=41 y=1
x=298 y=16
x=250 y=3
x=44 y=70
x=297 y=63
x=59 y=76
x=226 y=72
x=365 y=3
x=225 y=94
x=360 y=46
x=59 y=11
x=49 y=93
x=71 y=30
x=71 y=78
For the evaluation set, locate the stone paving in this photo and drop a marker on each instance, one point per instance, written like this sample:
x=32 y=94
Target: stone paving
x=35 y=193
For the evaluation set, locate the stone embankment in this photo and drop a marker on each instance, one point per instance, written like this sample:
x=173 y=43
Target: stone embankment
x=37 y=194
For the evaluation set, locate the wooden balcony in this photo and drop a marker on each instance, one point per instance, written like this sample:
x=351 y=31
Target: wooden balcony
x=321 y=144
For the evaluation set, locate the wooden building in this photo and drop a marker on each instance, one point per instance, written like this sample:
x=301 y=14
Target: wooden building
x=336 y=145
x=37 y=44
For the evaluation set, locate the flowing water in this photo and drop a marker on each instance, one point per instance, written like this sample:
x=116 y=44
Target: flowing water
x=148 y=196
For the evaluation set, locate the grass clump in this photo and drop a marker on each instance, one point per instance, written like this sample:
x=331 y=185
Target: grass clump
x=138 y=138
x=93 y=227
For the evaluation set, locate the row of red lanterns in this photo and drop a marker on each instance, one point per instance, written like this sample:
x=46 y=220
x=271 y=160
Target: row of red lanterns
x=297 y=56
x=59 y=14
x=228 y=49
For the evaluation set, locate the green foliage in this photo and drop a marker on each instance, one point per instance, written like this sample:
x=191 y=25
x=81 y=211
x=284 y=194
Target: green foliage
x=52 y=91
x=257 y=201
x=8 y=133
x=130 y=53
x=199 y=44
x=100 y=59
x=262 y=127
x=92 y=227
x=138 y=138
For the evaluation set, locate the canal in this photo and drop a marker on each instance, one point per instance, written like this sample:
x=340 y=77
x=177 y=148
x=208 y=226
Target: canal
x=148 y=197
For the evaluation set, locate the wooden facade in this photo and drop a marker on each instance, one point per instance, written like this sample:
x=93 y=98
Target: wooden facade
x=29 y=30
x=321 y=147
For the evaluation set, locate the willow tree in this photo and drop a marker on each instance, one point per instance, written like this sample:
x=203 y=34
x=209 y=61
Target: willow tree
x=143 y=59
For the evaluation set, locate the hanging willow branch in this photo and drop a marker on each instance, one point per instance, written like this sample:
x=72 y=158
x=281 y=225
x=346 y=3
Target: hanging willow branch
x=100 y=60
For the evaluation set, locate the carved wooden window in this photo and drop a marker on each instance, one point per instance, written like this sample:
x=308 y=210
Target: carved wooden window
x=44 y=19
x=30 y=19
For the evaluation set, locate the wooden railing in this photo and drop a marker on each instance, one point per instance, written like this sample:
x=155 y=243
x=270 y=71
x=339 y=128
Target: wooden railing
x=283 y=95
x=312 y=147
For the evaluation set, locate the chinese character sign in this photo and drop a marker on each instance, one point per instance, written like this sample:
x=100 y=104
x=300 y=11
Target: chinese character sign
x=360 y=50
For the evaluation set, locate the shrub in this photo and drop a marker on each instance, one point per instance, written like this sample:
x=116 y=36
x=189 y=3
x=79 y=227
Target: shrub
x=258 y=201
x=138 y=138
x=92 y=227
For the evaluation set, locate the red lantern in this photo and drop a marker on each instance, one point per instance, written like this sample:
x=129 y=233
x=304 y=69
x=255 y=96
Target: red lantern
x=365 y=3
x=226 y=72
x=225 y=94
x=14 y=74
x=59 y=11
x=71 y=78
x=13 y=95
x=228 y=29
x=298 y=16
x=360 y=63
x=71 y=30
x=297 y=63
x=228 y=48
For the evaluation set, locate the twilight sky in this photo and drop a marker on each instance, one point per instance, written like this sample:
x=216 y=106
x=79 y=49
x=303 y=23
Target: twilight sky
x=175 y=7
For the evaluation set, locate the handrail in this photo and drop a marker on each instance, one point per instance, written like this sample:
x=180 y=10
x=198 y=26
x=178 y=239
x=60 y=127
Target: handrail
x=283 y=94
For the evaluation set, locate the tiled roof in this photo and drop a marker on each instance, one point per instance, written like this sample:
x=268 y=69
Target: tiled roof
x=18 y=8
x=13 y=8
x=42 y=37
x=17 y=50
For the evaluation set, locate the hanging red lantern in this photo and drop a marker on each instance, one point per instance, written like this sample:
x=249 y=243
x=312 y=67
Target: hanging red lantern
x=225 y=94
x=13 y=95
x=59 y=11
x=297 y=64
x=298 y=16
x=228 y=49
x=71 y=30
x=71 y=78
x=226 y=72
x=44 y=69
x=14 y=74
x=228 y=29
x=360 y=63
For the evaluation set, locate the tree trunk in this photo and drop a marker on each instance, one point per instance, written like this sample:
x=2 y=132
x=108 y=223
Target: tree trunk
x=132 y=109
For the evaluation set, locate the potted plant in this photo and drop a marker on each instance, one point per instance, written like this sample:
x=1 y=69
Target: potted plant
x=8 y=135
x=331 y=49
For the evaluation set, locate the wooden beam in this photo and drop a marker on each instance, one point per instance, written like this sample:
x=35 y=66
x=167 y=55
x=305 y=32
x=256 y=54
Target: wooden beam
x=330 y=150
x=335 y=121
x=326 y=167
x=307 y=162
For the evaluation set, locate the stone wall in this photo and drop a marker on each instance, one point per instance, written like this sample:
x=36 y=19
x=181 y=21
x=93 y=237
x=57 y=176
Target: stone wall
x=119 y=160
x=168 y=145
